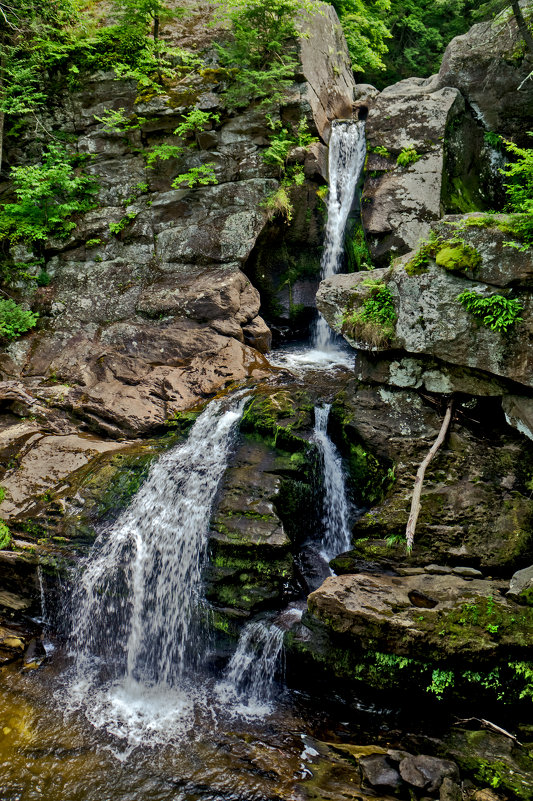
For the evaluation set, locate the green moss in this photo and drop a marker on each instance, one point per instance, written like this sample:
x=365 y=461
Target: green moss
x=463 y=196
x=427 y=250
x=458 y=257
x=278 y=417
x=369 y=476
x=356 y=247
x=5 y=536
x=508 y=770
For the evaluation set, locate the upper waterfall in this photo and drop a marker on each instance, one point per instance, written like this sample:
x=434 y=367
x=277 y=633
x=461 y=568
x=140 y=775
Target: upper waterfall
x=347 y=151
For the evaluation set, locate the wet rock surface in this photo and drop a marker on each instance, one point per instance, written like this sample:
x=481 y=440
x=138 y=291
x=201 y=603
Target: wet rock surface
x=385 y=612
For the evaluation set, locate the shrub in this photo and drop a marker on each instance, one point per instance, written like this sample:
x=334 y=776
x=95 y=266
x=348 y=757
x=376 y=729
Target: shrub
x=374 y=321
x=519 y=188
x=14 y=320
x=196 y=176
x=407 y=155
x=495 y=312
x=47 y=196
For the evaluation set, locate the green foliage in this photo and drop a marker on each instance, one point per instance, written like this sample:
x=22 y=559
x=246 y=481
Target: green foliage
x=162 y=152
x=196 y=176
x=5 y=536
x=407 y=155
x=380 y=150
x=440 y=680
x=116 y=228
x=420 y=30
x=260 y=61
x=283 y=139
x=118 y=121
x=43 y=278
x=493 y=139
x=365 y=27
x=47 y=196
x=14 y=320
x=495 y=312
x=374 y=321
x=519 y=188
x=356 y=248
x=195 y=121
x=92 y=243
x=278 y=202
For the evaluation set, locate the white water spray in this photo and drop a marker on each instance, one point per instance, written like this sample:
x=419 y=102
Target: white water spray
x=337 y=535
x=136 y=608
x=347 y=151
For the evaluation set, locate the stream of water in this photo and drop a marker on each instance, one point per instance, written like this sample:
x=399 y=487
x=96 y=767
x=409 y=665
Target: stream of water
x=335 y=517
x=347 y=152
x=137 y=608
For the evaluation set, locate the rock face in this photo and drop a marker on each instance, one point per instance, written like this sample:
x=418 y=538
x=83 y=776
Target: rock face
x=148 y=310
x=490 y=65
x=386 y=613
x=430 y=320
x=326 y=66
x=399 y=202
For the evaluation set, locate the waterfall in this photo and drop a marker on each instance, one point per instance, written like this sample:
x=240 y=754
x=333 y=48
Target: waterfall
x=136 y=607
x=347 y=151
x=248 y=682
x=337 y=535
x=42 y=597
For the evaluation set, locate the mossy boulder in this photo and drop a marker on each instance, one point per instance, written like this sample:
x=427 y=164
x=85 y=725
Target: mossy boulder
x=493 y=759
x=439 y=636
x=250 y=550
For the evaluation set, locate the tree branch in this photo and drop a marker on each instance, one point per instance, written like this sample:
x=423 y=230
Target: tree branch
x=419 y=480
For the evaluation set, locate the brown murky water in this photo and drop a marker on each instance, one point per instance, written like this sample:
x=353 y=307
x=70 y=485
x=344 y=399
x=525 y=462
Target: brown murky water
x=49 y=753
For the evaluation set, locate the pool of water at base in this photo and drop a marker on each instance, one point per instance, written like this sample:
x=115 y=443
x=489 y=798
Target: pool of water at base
x=50 y=752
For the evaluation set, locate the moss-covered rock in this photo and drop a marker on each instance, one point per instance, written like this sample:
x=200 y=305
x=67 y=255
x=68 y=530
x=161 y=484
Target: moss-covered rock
x=494 y=760
x=459 y=257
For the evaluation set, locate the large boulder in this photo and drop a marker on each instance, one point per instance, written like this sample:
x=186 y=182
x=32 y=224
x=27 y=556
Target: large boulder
x=458 y=621
x=472 y=479
x=326 y=66
x=400 y=201
x=430 y=320
x=490 y=65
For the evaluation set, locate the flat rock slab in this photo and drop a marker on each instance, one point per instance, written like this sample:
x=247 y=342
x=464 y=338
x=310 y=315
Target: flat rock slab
x=459 y=618
x=48 y=461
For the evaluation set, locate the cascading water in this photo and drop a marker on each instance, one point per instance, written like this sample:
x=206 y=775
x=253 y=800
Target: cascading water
x=347 y=151
x=248 y=682
x=137 y=599
x=337 y=535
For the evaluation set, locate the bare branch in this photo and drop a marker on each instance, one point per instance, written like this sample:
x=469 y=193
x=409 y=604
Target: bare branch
x=419 y=480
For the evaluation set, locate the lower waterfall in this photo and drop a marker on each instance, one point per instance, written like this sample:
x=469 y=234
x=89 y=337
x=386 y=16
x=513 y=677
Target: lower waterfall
x=249 y=679
x=137 y=603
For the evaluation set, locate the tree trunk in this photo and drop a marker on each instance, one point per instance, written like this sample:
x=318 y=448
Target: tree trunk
x=156 y=27
x=522 y=25
x=419 y=480
x=2 y=114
